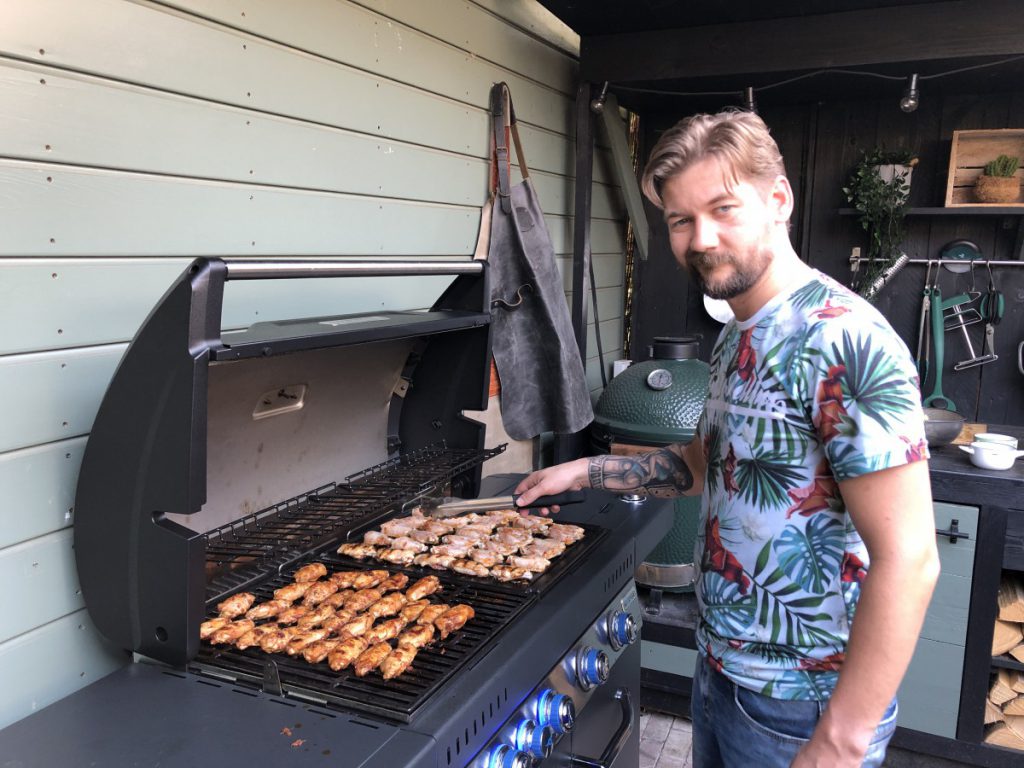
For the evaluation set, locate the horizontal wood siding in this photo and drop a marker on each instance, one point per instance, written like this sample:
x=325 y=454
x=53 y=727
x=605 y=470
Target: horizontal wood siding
x=136 y=135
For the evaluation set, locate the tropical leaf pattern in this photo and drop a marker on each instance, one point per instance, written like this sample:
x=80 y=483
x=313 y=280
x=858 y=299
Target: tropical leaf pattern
x=814 y=389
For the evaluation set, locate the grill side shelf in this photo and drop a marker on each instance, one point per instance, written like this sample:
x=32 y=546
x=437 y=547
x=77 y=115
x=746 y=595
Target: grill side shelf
x=246 y=550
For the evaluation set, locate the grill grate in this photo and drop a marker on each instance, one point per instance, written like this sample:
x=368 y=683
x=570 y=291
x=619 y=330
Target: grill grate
x=239 y=553
x=396 y=699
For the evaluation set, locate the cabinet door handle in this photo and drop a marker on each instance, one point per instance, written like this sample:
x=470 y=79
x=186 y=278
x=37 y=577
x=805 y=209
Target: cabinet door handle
x=953 y=532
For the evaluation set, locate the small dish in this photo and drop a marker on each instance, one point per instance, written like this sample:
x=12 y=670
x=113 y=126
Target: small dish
x=993 y=437
x=991 y=455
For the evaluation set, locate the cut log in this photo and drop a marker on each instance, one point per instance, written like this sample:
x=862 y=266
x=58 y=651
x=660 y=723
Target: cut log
x=1005 y=636
x=1002 y=689
x=1018 y=683
x=993 y=714
x=1018 y=653
x=1011 y=600
x=1014 y=707
x=1016 y=724
x=1002 y=736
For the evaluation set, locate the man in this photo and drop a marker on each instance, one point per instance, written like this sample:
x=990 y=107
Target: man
x=811 y=459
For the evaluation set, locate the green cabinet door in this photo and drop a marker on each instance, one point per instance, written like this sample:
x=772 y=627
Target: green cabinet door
x=929 y=697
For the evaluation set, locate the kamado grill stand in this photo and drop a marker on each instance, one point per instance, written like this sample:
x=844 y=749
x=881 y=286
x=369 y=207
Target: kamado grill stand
x=213 y=468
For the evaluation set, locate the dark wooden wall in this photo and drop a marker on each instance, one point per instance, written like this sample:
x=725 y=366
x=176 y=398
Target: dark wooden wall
x=821 y=142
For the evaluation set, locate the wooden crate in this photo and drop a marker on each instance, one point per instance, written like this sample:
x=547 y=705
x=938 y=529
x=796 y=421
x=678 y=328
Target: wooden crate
x=967 y=157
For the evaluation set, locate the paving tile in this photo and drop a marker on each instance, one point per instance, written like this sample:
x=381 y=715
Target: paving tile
x=650 y=751
x=658 y=727
x=645 y=718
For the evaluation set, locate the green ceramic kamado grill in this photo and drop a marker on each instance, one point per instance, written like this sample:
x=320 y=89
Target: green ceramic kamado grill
x=649 y=405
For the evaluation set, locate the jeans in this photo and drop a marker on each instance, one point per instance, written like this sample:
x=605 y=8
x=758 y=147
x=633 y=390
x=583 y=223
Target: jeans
x=734 y=727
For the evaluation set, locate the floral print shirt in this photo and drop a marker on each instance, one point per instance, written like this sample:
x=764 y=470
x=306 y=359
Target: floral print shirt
x=813 y=389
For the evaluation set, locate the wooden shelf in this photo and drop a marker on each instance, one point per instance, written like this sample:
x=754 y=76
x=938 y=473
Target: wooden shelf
x=981 y=210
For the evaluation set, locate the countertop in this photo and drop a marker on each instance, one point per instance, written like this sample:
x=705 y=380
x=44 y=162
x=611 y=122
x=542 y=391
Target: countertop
x=956 y=479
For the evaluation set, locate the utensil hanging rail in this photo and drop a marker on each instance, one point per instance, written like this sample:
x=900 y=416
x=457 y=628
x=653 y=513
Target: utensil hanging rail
x=857 y=260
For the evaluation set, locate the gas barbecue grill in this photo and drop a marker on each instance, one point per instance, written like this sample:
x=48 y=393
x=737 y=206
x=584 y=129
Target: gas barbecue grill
x=213 y=468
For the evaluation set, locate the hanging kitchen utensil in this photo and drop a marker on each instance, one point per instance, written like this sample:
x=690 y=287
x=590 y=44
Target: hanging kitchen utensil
x=956 y=251
x=937 y=399
x=924 y=329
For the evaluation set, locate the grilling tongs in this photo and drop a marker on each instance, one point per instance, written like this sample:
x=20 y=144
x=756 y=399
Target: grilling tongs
x=447 y=507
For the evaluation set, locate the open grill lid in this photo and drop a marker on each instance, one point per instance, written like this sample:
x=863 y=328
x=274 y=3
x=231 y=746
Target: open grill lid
x=180 y=448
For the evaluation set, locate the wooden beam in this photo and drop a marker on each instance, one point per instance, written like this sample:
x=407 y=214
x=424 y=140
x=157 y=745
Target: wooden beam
x=616 y=133
x=941 y=30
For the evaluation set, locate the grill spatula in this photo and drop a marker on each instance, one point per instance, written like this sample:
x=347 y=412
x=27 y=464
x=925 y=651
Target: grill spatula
x=449 y=507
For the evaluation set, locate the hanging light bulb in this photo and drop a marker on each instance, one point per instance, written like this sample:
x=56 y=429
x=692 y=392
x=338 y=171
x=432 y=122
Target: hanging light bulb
x=911 y=96
x=748 y=100
x=597 y=105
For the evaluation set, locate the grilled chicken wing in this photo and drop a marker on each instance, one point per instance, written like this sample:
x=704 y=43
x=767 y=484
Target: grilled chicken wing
x=363 y=599
x=345 y=579
x=436 y=560
x=298 y=641
x=367 y=579
x=470 y=568
x=370 y=659
x=316 y=652
x=428 y=585
x=386 y=630
x=210 y=626
x=315 y=617
x=310 y=572
x=337 y=600
x=394 y=581
x=292 y=592
x=230 y=632
x=276 y=640
x=453 y=619
x=377 y=539
x=397 y=556
x=357 y=627
x=267 y=609
x=388 y=605
x=337 y=622
x=485 y=557
x=431 y=613
x=397 y=661
x=236 y=605
x=412 y=610
x=510 y=573
x=253 y=636
x=357 y=551
x=319 y=592
x=535 y=564
x=345 y=652
x=292 y=615
x=416 y=636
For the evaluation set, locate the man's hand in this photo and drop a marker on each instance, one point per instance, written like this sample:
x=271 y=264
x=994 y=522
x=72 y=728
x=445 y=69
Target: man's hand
x=571 y=476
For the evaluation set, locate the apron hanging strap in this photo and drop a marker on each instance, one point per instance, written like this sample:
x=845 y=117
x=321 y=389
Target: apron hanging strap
x=503 y=124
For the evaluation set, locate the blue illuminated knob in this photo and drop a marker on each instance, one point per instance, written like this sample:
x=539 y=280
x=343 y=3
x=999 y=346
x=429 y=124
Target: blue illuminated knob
x=533 y=739
x=591 y=667
x=556 y=711
x=504 y=756
x=621 y=629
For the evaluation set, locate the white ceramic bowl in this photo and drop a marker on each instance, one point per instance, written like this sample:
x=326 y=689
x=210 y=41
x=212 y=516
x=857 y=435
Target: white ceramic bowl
x=991 y=455
x=993 y=437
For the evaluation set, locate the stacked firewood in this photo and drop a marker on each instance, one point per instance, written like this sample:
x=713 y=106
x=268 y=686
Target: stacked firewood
x=1004 y=708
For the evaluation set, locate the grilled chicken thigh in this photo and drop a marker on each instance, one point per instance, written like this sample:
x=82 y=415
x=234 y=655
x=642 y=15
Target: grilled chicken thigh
x=397 y=661
x=236 y=605
x=370 y=659
x=546 y=548
x=485 y=557
x=425 y=536
x=566 y=533
x=310 y=572
x=453 y=619
x=428 y=585
x=345 y=652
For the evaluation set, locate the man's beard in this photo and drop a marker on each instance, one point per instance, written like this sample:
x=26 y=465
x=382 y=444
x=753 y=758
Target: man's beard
x=745 y=271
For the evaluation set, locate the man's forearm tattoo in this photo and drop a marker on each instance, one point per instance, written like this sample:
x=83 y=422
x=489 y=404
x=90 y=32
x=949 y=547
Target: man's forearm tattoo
x=660 y=473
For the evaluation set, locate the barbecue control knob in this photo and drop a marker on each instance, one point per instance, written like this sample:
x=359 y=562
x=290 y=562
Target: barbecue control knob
x=536 y=740
x=591 y=667
x=504 y=756
x=557 y=711
x=621 y=629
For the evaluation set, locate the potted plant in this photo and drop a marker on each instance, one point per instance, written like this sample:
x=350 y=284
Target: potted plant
x=879 y=189
x=998 y=184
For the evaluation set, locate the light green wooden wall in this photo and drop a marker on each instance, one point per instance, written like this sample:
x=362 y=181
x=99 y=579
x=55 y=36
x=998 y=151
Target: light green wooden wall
x=135 y=135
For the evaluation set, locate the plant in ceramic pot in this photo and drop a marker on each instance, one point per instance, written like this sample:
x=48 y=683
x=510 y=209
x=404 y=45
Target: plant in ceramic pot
x=879 y=189
x=999 y=184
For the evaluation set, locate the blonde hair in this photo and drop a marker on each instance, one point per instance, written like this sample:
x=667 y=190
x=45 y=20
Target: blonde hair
x=740 y=140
